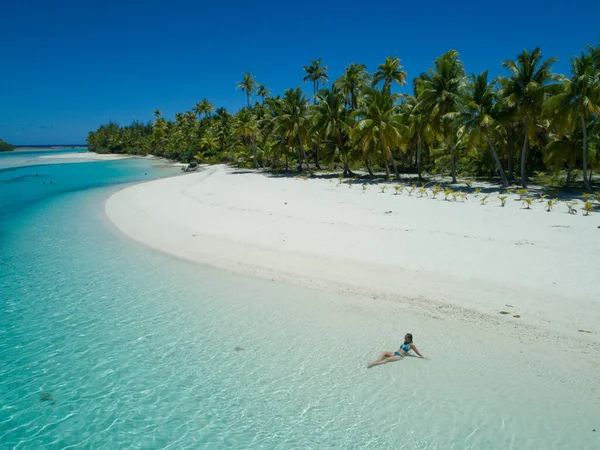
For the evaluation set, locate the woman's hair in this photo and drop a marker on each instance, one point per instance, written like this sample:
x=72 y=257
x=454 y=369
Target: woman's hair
x=408 y=338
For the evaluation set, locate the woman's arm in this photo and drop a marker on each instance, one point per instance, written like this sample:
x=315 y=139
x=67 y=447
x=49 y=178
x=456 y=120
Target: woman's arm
x=414 y=347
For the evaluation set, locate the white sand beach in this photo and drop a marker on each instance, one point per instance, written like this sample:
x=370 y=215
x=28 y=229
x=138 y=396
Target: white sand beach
x=516 y=267
x=82 y=157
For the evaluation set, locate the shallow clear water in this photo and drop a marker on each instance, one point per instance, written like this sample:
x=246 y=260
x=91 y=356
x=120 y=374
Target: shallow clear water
x=107 y=344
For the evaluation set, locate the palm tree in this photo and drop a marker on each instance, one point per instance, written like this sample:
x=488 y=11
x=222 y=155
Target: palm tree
x=206 y=107
x=391 y=70
x=441 y=93
x=526 y=90
x=316 y=73
x=224 y=123
x=380 y=126
x=580 y=96
x=246 y=130
x=263 y=92
x=334 y=123
x=247 y=85
x=292 y=121
x=480 y=114
x=351 y=83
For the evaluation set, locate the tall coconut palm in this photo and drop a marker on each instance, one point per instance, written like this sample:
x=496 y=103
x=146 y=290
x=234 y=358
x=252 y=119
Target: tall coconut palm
x=441 y=93
x=416 y=118
x=380 y=126
x=247 y=85
x=580 y=96
x=246 y=130
x=224 y=123
x=351 y=83
x=479 y=118
x=526 y=90
x=316 y=73
x=334 y=122
x=391 y=70
x=203 y=107
x=291 y=119
x=263 y=92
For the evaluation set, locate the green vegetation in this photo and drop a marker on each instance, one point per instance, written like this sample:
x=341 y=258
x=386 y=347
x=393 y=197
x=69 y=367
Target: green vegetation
x=530 y=122
x=447 y=193
x=502 y=199
x=528 y=202
x=6 y=147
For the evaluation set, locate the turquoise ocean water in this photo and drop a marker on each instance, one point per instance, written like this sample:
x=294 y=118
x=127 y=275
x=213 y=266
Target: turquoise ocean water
x=107 y=344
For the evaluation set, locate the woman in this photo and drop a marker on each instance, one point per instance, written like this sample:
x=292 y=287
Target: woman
x=386 y=357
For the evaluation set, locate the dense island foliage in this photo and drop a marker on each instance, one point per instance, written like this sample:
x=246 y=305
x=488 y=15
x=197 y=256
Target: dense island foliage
x=6 y=147
x=508 y=128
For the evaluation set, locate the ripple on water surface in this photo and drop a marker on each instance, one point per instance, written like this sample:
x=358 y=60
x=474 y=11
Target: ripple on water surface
x=105 y=344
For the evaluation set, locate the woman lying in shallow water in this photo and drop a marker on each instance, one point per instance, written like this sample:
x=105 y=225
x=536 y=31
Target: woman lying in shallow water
x=387 y=357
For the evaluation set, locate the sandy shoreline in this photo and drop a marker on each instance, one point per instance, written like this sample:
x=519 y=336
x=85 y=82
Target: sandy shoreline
x=439 y=257
x=83 y=157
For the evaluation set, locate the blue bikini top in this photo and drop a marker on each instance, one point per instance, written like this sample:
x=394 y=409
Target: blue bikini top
x=405 y=347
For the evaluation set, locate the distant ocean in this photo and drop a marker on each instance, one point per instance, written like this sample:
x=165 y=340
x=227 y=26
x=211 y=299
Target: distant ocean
x=107 y=344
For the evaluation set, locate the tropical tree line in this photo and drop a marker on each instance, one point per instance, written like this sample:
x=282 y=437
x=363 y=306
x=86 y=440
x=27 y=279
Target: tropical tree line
x=507 y=128
x=5 y=146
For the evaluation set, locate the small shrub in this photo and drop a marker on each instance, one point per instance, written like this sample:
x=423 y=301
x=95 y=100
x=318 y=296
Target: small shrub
x=571 y=208
x=447 y=193
x=422 y=191
x=477 y=192
x=412 y=189
x=586 y=196
x=398 y=188
x=502 y=199
x=528 y=202
x=455 y=195
x=543 y=197
x=484 y=199
x=588 y=207
x=383 y=188
x=550 y=204
x=463 y=196
x=522 y=193
x=435 y=191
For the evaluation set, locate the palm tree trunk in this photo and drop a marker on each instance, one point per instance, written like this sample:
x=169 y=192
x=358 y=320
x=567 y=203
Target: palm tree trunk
x=385 y=164
x=256 y=166
x=303 y=153
x=317 y=156
x=497 y=160
x=394 y=166
x=524 y=156
x=586 y=180
x=509 y=166
x=419 y=156
x=347 y=172
x=452 y=165
x=369 y=166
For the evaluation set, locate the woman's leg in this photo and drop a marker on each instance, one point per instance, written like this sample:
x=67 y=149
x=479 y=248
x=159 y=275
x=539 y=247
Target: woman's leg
x=385 y=360
x=383 y=356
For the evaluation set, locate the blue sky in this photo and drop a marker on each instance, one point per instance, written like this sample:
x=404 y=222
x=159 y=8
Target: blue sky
x=69 y=66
